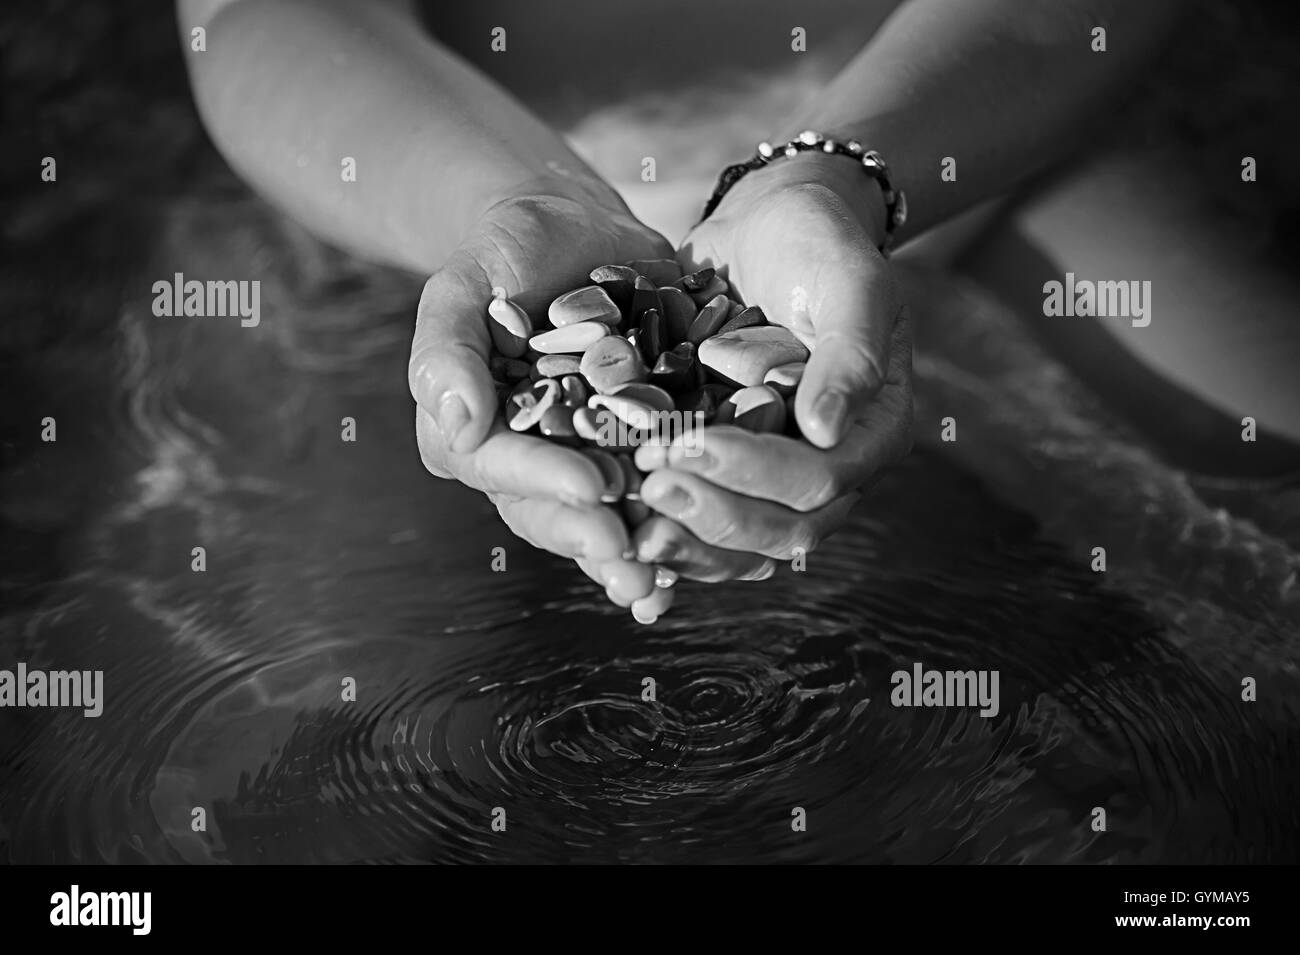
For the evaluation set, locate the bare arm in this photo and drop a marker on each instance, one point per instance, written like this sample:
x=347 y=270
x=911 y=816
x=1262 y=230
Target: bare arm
x=1001 y=86
x=289 y=88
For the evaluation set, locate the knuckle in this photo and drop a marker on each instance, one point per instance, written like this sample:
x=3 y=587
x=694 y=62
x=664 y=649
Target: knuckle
x=726 y=531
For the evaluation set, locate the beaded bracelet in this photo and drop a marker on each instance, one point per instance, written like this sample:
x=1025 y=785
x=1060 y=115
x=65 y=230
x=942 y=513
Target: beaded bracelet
x=808 y=140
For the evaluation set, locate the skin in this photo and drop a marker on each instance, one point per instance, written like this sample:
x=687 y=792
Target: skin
x=1007 y=86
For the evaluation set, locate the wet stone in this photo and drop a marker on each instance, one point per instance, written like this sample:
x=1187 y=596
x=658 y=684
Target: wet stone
x=509 y=327
x=524 y=408
x=589 y=304
x=678 y=370
x=758 y=408
x=557 y=366
x=645 y=296
x=696 y=281
x=574 y=391
x=570 y=339
x=716 y=286
x=637 y=415
x=508 y=369
x=745 y=318
x=586 y=423
x=611 y=362
x=556 y=423
x=647 y=394
x=650 y=342
x=785 y=378
x=711 y=317
x=678 y=311
x=745 y=355
x=658 y=271
x=617 y=281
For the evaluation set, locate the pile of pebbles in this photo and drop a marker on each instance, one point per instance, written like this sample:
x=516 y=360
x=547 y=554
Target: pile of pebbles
x=641 y=340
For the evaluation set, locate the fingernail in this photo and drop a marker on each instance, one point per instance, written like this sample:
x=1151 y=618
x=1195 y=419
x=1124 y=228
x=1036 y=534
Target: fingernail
x=673 y=500
x=830 y=409
x=641 y=616
x=665 y=577
x=452 y=415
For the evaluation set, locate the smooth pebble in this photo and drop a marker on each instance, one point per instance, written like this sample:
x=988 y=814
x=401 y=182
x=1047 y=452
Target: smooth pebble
x=509 y=326
x=589 y=304
x=745 y=355
x=570 y=339
x=611 y=362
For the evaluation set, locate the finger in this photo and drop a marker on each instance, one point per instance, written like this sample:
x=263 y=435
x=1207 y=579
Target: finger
x=665 y=542
x=789 y=471
x=855 y=313
x=593 y=534
x=514 y=464
x=649 y=609
x=733 y=522
x=448 y=371
x=625 y=581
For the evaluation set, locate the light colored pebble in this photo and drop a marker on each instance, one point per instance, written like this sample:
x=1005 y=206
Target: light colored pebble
x=758 y=408
x=509 y=326
x=586 y=421
x=589 y=304
x=635 y=414
x=745 y=355
x=571 y=339
x=611 y=362
x=613 y=273
x=557 y=366
x=525 y=408
x=785 y=378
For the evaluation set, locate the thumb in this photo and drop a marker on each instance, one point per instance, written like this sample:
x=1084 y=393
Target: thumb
x=448 y=372
x=852 y=314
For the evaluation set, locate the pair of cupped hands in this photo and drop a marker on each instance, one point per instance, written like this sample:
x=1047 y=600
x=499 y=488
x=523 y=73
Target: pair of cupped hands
x=800 y=238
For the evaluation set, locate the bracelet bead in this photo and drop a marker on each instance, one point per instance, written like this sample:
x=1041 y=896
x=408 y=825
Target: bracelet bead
x=871 y=161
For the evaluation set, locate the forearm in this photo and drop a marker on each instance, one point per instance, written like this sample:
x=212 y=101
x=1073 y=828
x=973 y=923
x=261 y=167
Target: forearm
x=1003 y=87
x=288 y=89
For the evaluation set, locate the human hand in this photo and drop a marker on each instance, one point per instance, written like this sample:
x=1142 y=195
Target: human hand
x=800 y=238
x=533 y=248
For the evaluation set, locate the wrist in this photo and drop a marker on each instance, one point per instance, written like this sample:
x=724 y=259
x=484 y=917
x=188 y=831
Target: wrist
x=860 y=194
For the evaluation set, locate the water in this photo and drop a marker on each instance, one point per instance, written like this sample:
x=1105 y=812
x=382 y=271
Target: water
x=523 y=690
